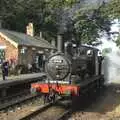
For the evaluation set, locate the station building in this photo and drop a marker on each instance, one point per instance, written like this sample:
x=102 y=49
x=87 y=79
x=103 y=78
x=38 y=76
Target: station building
x=23 y=48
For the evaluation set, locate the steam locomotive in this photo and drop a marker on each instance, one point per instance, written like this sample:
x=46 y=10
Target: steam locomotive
x=71 y=73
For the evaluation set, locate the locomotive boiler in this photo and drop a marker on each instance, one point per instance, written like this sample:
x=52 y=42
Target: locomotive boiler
x=64 y=66
x=72 y=72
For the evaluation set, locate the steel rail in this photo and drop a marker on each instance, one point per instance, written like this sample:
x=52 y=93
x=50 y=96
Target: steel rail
x=17 y=101
x=39 y=110
x=63 y=116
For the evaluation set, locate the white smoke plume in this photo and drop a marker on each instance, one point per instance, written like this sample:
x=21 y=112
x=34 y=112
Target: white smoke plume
x=111 y=67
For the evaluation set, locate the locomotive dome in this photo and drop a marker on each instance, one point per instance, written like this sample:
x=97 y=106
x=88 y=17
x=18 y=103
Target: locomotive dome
x=58 y=66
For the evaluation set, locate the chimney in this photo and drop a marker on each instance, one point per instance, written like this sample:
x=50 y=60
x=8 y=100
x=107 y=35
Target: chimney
x=59 y=42
x=30 y=29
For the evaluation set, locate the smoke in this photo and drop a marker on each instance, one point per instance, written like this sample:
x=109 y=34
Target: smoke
x=65 y=16
x=111 y=67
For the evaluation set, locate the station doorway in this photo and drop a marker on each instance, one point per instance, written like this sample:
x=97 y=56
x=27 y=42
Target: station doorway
x=40 y=61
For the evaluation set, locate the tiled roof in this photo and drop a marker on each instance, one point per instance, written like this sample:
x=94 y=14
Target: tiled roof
x=23 y=39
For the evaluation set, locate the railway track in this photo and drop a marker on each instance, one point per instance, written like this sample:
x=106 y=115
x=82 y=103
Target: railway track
x=49 y=111
x=16 y=99
x=64 y=115
x=19 y=106
x=102 y=106
x=60 y=110
x=36 y=110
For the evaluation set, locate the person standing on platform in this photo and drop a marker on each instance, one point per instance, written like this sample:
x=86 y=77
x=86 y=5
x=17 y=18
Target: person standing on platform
x=29 y=68
x=5 y=69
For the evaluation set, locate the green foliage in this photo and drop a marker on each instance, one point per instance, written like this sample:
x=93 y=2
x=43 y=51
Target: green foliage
x=90 y=22
x=46 y=16
x=113 y=9
x=60 y=3
x=12 y=14
x=118 y=41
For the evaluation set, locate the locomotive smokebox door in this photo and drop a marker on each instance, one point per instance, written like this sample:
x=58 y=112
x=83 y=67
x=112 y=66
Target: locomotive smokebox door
x=57 y=67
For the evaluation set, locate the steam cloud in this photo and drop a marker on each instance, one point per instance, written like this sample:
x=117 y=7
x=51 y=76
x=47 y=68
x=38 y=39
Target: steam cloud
x=111 y=67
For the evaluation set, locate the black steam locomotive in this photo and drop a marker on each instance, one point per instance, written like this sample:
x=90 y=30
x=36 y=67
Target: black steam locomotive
x=73 y=72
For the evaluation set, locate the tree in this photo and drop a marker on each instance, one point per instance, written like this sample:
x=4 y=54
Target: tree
x=45 y=14
x=51 y=17
x=12 y=14
x=90 y=22
x=113 y=10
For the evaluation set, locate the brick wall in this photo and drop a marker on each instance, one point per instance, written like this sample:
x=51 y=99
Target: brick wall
x=11 y=52
x=27 y=57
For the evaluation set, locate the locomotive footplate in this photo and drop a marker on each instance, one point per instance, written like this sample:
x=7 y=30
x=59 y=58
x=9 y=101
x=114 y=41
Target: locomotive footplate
x=61 y=89
x=51 y=89
x=91 y=80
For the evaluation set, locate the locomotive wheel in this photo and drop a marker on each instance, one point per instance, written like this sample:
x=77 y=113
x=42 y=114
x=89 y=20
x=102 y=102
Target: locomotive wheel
x=45 y=98
x=50 y=97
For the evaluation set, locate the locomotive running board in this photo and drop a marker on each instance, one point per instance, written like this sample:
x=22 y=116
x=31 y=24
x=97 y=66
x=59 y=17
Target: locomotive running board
x=90 y=80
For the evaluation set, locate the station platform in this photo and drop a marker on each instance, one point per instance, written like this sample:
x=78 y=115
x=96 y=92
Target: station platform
x=23 y=78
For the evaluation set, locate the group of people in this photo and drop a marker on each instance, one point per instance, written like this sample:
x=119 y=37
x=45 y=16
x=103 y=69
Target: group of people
x=8 y=66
